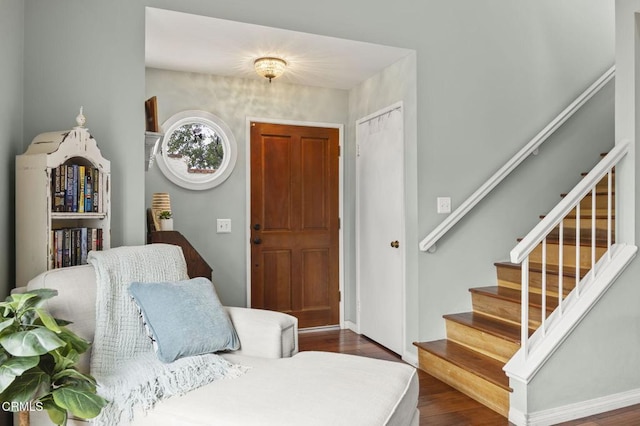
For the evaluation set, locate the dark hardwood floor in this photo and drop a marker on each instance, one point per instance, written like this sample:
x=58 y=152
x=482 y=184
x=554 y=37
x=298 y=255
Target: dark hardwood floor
x=439 y=403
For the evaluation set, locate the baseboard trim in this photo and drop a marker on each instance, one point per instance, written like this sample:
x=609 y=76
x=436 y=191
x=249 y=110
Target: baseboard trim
x=322 y=328
x=576 y=410
x=350 y=325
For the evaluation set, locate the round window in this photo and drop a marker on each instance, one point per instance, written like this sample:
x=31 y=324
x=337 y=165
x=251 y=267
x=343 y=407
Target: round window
x=198 y=150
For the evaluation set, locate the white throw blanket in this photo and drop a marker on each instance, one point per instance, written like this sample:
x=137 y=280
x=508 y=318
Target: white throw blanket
x=123 y=361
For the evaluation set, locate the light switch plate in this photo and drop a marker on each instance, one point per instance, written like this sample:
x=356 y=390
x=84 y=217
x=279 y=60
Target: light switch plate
x=223 y=226
x=444 y=205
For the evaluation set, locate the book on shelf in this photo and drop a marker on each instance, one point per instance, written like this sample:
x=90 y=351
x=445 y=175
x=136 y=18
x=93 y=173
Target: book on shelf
x=70 y=246
x=66 y=247
x=58 y=238
x=83 y=246
x=76 y=188
x=88 y=192
x=68 y=199
x=81 y=184
x=57 y=190
x=96 y=192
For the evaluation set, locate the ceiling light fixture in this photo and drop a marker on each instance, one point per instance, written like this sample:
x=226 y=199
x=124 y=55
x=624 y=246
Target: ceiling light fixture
x=270 y=67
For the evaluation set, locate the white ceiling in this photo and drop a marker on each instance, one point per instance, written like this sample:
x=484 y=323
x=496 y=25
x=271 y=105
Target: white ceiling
x=184 y=42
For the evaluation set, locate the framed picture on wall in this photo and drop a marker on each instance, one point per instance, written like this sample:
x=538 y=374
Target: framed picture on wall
x=151 y=113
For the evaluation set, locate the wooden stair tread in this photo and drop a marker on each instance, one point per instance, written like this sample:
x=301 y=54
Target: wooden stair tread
x=567 y=271
x=613 y=171
x=569 y=236
x=513 y=296
x=481 y=365
x=490 y=325
x=598 y=193
x=588 y=214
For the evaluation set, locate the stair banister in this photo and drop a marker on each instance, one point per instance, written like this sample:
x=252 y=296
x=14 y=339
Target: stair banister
x=555 y=216
x=538 y=236
x=429 y=242
x=536 y=348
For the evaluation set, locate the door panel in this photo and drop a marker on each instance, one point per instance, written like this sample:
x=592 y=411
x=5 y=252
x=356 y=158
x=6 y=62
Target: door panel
x=313 y=185
x=277 y=266
x=294 y=222
x=315 y=278
x=380 y=224
x=276 y=181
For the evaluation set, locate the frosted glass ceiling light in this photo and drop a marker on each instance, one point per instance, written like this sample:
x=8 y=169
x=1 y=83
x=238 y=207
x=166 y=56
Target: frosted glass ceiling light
x=270 y=67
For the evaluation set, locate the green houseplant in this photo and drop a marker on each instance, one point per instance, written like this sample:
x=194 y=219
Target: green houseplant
x=38 y=354
x=165 y=214
x=166 y=221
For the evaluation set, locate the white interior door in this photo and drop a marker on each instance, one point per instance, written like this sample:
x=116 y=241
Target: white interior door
x=380 y=227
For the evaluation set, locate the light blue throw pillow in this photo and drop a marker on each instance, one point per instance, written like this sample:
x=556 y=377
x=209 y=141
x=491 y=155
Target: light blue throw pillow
x=184 y=318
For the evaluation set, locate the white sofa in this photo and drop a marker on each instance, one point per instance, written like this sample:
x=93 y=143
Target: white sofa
x=282 y=387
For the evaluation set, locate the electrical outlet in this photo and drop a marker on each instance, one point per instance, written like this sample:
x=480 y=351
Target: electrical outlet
x=444 y=205
x=223 y=226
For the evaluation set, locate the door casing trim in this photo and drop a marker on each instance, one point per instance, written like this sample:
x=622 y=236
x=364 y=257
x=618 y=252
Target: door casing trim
x=341 y=255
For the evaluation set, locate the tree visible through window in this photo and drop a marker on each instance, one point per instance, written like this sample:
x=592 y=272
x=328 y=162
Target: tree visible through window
x=198 y=145
x=198 y=150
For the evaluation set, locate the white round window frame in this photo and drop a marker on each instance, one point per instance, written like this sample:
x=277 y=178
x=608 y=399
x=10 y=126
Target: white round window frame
x=229 y=145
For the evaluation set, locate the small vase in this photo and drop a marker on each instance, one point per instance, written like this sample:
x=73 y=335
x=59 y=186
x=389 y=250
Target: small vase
x=166 y=224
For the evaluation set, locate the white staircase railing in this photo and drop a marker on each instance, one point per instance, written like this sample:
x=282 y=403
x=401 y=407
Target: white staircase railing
x=589 y=261
x=429 y=242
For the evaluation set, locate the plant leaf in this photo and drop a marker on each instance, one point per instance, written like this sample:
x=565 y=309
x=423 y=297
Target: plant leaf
x=77 y=343
x=18 y=301
x=6 y=324
x=75 y=376
x=64 y=357
x=48 y=320
x=38 y=341
x=57 y=415
x=79 y=401
x=27 y=387
x=41 y=296
x=13 y=368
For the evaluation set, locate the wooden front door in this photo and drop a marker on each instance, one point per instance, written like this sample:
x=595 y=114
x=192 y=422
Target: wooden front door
x=294 y=222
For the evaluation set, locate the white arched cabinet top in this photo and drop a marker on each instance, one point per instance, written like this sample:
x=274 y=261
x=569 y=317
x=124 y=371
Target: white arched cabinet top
x=58 y=147
x=198 y=150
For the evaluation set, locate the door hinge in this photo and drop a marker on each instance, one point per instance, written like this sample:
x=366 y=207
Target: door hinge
x=339 y=223
x=339 y=296
x=339 y=151
x=358 y=150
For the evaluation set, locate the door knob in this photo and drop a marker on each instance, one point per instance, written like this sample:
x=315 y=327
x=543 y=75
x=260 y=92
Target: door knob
x=395 y=244
x=257 y=241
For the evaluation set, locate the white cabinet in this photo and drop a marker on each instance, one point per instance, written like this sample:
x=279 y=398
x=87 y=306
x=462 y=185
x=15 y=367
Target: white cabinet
x=62 y=202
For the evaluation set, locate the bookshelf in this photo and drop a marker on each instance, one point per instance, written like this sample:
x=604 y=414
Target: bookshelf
x=61 y=216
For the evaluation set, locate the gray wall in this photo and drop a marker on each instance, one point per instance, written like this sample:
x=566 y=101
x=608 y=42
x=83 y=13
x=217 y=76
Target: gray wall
x=233 y=100
x=490 y=75
x=11 y=70
x=600 y=357
x=91 y=54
